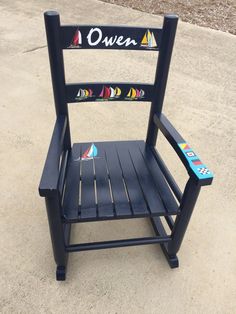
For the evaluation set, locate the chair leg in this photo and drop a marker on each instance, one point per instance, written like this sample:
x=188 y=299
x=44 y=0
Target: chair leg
x=171 y=259
x=61 y=273
x=58 y=232
x=160 y=231
x=187 y=204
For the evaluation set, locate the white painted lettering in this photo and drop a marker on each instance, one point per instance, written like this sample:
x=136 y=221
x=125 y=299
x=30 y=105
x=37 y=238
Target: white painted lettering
x=94 y=37
x=130 y=41
x=109 y=41
x=119 y=41
x=89 y=37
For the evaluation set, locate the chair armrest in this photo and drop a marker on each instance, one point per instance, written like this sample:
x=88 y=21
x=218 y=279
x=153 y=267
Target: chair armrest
x=49 y=181
x=196 y=169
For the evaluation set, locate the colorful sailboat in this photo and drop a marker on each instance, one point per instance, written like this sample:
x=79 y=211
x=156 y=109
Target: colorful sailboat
x=84 y=94
x=90 y=153
x=112 y=92
x=135 y=94
x=149 y=40
x=109 y=93
x=118 y=92
x=76 y=40
x=142 y=93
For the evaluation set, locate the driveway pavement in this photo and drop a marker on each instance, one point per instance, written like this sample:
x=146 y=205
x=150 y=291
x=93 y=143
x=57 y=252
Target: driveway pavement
x=200 y=102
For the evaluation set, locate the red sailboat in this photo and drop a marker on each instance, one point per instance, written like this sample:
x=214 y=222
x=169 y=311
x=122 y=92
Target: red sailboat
x=76 y=40
x=105 y=93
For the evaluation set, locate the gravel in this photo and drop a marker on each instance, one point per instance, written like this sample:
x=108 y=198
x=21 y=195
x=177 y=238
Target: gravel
x=220 y=15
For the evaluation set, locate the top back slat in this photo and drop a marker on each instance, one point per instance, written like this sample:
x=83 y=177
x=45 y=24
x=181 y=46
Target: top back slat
x=110 y=37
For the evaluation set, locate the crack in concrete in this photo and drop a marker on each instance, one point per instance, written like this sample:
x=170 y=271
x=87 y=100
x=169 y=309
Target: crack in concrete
x=34 y=49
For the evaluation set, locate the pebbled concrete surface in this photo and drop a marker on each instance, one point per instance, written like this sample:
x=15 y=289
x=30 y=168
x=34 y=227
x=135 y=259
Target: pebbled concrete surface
x=200 y=101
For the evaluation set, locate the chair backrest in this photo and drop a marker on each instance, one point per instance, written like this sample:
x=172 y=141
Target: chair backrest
x=76 y=37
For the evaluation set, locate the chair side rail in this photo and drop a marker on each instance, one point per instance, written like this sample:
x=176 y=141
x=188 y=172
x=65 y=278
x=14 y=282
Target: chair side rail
x=51 y=172
x=196 y=169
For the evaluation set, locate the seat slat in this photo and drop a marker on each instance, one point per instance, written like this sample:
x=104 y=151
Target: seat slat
x=104 y=200
x=135 y=193
x=88 y=202
x=71 y=199
x=158 y=177
x=146 y=181
x=123 y=180
x=122 y=206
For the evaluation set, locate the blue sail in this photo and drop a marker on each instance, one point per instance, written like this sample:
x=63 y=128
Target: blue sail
x=93 y=151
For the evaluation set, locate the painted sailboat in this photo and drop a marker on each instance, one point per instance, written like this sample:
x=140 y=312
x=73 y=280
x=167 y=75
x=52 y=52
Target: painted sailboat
x=149 y=40
x=108 y=93
x=117 y=92
x=90 y=153
x=84 y=94
x=135 y=94
x=76 y=40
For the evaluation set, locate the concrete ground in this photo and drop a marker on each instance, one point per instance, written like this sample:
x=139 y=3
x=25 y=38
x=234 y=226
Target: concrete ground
x=200 y=101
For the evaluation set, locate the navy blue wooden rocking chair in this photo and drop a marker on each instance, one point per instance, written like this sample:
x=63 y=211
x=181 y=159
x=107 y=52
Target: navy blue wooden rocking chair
x=115 y=180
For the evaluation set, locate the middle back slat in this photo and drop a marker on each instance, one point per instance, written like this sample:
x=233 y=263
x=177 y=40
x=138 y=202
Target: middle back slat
x=108 y=91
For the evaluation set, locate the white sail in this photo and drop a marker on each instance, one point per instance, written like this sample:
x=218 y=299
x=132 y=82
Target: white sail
x=142 y=93
x=112 y=92
x=82 y=93
x=153 y=41
x=80 y=38
x=90 y=153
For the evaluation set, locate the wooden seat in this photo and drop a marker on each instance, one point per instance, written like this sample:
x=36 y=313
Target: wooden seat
x=98 y=181
x=122 y=181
